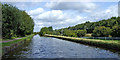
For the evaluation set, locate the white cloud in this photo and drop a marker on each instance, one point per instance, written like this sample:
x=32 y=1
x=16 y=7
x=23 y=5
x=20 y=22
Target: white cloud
x=108 y=11
x=111 y=11
x=36 y=11
x=53 y=16
x=57 y=19
x=61 y=16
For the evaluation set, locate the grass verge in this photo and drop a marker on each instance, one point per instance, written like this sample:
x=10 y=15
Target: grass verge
x=109 y=44
x=15 y=41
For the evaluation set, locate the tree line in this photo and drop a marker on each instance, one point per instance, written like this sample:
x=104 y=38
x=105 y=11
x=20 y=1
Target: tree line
x=66 y=32
x=15 y=22
x=104 y=28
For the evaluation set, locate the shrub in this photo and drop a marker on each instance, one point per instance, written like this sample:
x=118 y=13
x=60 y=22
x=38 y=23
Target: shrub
x=115 y=31
x=70 y=33
x=46 y=30
x=101 y=31
x=81 y=33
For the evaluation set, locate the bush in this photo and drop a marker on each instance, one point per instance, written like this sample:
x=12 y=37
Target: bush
x=70 y=33
x=56 y=33
x=46 y=30
x=101 y=31
x=115 y=31
x=43 y=31
x=81 y=33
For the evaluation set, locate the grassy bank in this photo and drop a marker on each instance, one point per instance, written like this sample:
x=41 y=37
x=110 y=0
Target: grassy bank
x=12 y=45
x=109 y=44
x=16 y=41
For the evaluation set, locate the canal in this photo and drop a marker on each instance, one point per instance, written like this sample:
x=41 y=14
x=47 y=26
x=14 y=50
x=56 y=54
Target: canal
x=48 y=47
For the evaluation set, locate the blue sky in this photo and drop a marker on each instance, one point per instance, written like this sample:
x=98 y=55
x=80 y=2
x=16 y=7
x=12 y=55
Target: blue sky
x=65 y=14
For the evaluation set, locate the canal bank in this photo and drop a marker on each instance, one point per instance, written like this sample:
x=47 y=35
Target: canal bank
x=107 y=44
x=12 y=45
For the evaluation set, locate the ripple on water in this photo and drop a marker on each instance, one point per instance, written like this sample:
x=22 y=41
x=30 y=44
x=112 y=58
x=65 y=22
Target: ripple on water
x=71 y=49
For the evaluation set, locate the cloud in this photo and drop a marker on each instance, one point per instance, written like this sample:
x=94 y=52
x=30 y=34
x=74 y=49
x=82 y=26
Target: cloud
x=58 y=19
x=53 y=16
x=80 y=6
x=111 y=11
x=63 y=15
x=36 y=11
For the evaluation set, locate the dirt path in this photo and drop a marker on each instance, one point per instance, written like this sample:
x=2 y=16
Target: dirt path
x=10 y=40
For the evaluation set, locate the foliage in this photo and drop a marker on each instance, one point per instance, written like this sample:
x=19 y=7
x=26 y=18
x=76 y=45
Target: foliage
x=15 y=22
x=81 y=33
x=101 y=31
x=103 y=28
x=43 y=31
x=36 y=33
x=89 y=26
x=50 y=28
x=116 y=31
x=70 y=33
x=46 y=30
x=56 y=32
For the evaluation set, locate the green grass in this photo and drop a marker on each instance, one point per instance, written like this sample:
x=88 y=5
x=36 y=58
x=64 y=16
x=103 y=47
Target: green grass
x=15 y=41
x=109 y=44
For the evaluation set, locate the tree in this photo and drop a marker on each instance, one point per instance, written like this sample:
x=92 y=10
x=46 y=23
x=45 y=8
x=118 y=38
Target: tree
x=46 y=30
x=50 y=28
x=70 y=33
x=101 y=31
x=43 y=31
x=89 y=26
x=15 y=22
x=81 y=33
x=115 y=31
x=56 y=32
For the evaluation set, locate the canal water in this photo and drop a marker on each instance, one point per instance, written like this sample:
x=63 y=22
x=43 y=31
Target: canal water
x=48 y=47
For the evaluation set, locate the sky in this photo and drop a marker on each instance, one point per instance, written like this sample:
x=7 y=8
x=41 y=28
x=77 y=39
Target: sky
x=60 y=14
